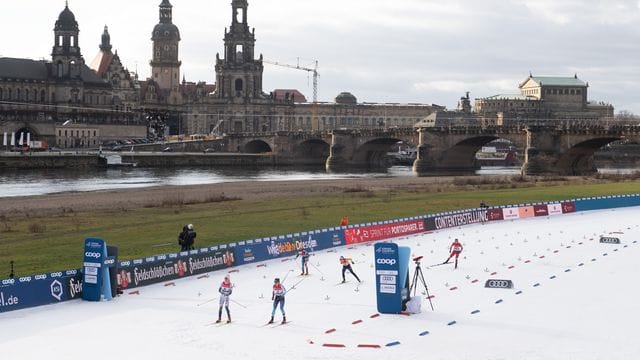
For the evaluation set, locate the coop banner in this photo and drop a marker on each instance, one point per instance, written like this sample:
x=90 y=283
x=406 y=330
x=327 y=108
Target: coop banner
x=251 y=251
x=157 y=269
x=383 y=231
x=457 y=219
x=37 y=290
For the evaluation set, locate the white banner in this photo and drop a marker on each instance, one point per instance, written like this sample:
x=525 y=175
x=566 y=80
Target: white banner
x=29 y=139
x=13 y=139
x=4 y=141
x=510 y=213
x=555 y=209
x=21 y=139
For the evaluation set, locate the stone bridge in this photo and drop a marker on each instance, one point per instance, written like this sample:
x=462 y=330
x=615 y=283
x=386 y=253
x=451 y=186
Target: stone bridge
x=548 y=148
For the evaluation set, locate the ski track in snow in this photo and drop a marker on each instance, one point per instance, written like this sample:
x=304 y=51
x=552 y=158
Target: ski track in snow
x=573 y=298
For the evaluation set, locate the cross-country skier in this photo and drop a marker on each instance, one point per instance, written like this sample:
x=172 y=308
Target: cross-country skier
x=304 y=261
x=346 y=265
x=278 y=298
x=225 y=290
x=455 y=249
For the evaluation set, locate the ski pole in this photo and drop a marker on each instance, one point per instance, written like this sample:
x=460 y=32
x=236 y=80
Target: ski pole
x=237 y=303
x=294 y=285
x=206 y=302
x=285 y=277
x=321 y=273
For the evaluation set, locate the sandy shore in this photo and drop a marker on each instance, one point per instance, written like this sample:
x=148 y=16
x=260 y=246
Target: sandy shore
x=167 y=195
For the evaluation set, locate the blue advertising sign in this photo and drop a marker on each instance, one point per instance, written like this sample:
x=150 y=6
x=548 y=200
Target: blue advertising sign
x=36 y=290
x=391 y=276
x=96 y=284
x=282 y=246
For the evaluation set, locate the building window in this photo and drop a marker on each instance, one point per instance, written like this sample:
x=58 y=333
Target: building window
x=578 y=92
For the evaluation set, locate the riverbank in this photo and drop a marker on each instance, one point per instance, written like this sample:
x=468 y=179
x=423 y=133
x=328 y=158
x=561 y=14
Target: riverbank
x=167 y=196
x=46 y=233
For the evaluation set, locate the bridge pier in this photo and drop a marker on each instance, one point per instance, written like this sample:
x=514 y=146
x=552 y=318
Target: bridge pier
x=550 y=151
x=441 y=155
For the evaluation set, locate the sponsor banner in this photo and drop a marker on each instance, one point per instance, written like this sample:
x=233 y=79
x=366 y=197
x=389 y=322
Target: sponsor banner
x=141 y=274
x=498 y=284
x=453 y=220
x=609 y=240
x=495 y=214
x=283 y=246
x=31 y=291
x=568 y=207
x=525 y=212
x=554 y=209
x=510 y=213
x=381 y=232
x=540 y=210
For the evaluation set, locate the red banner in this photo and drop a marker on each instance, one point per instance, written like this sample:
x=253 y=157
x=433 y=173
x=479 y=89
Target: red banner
x=568 y=207
x=540 y=210
x=495 y=214
x=382 y=232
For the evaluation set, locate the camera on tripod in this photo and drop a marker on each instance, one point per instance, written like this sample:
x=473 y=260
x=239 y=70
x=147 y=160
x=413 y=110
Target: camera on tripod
x=417 y=259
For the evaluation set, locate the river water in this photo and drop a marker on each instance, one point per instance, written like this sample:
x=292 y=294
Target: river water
x=41 y=182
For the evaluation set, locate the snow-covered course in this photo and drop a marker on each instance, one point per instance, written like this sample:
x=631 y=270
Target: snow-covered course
x=573 y=298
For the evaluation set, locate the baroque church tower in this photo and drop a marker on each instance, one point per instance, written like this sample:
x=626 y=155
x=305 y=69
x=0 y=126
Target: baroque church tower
x=66 y=57
x=239 y=74
x=165 y=66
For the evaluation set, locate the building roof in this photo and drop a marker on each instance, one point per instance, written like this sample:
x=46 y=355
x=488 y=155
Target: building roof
x=282 y=94
x=23 y=69
x=66 y=20
x=101 y=62
x=555 y=81
x=511 y=97
x=346 y=98
x=27 y=69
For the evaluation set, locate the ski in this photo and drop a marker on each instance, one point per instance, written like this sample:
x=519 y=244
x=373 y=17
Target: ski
x=444 y=263
x=279 y=324
x=341 y=283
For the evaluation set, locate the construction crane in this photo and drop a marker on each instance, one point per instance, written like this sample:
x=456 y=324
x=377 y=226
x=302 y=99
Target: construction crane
x=315 y=125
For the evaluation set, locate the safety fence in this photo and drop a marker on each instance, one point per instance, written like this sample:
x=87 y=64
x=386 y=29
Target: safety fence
x=55 y=287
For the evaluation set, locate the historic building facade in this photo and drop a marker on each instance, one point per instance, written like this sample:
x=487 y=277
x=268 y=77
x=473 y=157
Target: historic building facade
x=71 y=104
x=240 y=104
x=40 y=98
x=544 y=98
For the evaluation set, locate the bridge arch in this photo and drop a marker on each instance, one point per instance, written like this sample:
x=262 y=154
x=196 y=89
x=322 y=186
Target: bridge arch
x=22 y=133
x=257 y=147
x=373 y=153
x=311 y=151
x=578 y=159
x=462 y=155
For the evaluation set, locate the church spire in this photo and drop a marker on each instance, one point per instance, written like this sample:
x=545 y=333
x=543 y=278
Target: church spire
x=106 y=40
x=166 y=12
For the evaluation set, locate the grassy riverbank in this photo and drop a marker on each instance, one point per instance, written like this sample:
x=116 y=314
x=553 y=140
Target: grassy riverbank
x=54 y=242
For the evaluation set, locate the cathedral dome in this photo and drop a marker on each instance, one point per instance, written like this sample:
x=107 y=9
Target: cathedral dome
x=346 y=98
x=66 y=21
x=165 y=31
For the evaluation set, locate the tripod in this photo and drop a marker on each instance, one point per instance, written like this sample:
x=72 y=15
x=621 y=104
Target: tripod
x=417 y=275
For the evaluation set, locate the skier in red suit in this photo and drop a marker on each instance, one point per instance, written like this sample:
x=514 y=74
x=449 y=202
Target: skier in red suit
x=455 y=249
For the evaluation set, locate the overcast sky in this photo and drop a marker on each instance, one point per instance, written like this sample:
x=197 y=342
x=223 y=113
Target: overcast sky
x=409 y=51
